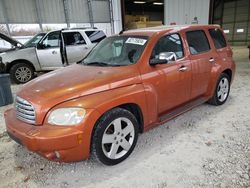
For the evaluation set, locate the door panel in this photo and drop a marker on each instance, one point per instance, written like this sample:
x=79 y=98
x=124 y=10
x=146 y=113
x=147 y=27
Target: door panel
x=223 y=50
x=76 y=53
x=48 y=51
x=172 y=81
x=49 y=58
x=201 y=71
x=76 y=46
x=171 y=85
x=202 y=59
x=177 y=85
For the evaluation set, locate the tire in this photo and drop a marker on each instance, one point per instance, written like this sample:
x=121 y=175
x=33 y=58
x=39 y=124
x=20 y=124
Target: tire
x=222 y=90
x=115 y=136
x=21 y=73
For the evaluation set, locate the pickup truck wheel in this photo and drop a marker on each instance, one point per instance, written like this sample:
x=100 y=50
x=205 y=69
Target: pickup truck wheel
x=222 y=90
x=21 y=73
x=115 y=136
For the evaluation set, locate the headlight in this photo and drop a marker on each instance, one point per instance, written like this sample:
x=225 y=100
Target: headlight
x=66 y=116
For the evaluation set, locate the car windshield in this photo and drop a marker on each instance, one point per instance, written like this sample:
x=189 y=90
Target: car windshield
x=116 y=51
x=33 y=41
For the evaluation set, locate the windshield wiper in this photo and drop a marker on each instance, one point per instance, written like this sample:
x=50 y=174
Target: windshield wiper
x=97 y=63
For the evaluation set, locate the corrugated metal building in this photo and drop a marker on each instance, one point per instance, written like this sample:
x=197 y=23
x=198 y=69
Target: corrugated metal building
x=234 y=17
x=185 y=11
x=55 y=12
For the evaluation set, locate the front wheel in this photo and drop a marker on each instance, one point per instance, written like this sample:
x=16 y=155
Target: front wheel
x=21 y=73
x=115 y=136
x=222 y=90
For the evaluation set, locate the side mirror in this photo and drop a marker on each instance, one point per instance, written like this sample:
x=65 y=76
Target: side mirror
x=169 y=56
x=163 y=57
x=40 y=46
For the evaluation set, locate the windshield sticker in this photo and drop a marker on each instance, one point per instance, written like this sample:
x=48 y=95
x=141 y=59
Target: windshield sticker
x=137 y=41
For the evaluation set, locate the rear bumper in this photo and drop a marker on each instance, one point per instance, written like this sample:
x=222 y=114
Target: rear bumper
x=55 y=143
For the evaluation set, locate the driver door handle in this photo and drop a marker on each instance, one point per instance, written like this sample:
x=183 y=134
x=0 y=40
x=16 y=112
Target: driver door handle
x=54 y=52
x=183 y=69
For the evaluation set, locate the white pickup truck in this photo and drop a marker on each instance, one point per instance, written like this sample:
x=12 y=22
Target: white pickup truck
x=49 y=51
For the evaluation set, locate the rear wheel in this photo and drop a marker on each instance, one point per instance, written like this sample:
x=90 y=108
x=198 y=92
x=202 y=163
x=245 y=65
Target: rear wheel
x=222 y=90
x=115 y=136
x=21 y=73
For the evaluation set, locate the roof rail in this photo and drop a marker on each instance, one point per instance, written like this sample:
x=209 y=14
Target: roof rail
x=71 y=28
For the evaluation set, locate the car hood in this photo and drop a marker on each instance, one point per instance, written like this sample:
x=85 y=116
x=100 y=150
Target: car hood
x=10 y=40
x=18 y=53
x=75 y=81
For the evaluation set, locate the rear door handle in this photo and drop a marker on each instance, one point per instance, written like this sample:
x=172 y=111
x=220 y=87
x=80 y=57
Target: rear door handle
x=54 y=52
x=211 y=60
x=183 y=69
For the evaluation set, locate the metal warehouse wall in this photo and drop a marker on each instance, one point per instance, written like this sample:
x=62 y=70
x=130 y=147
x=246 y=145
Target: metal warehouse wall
x=54 y=11
x=184 y=11
x=234 y=17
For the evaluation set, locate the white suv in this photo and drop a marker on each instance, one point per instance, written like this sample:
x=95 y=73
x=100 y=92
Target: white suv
x=54 y=50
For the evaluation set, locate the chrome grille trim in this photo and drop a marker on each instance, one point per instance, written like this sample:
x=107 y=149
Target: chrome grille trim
x=25 y=111
x=21 y=110
x=25 y=107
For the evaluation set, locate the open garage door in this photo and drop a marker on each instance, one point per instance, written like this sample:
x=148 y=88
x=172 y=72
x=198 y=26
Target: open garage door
x=234 y=17
x=141 y=14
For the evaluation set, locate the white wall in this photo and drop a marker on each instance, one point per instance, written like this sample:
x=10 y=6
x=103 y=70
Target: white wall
x=184 y=11
x=117 y=15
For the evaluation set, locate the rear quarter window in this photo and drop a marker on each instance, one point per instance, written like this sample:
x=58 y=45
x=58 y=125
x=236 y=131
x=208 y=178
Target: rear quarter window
x=95 y=36
x=197 y=42
x=218 y=38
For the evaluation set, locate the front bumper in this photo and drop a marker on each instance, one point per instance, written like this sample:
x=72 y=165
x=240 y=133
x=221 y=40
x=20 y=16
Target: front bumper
x=55 y=143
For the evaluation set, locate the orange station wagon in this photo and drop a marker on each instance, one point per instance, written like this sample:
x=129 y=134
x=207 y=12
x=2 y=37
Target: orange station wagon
x=126 y=85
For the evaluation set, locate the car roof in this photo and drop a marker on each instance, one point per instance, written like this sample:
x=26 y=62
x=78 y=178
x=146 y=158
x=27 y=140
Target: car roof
x=81 y=29
x=149 y=31
x=70 y=30
x=76 y=29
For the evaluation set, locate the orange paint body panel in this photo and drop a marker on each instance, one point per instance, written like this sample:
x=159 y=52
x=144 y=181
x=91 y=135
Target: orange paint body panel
x=157 y=90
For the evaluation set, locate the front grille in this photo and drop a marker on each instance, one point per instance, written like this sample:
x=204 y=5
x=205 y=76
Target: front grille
x=25 y=111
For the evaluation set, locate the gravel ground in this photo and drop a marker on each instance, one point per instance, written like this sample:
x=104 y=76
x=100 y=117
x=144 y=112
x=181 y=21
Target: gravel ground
x=205 y=147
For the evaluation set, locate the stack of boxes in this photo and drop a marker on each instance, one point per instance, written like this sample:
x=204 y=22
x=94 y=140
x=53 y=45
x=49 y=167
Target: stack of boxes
x=139 y=21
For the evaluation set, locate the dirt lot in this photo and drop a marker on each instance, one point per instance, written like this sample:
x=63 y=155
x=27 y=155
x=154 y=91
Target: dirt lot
x=205 y=147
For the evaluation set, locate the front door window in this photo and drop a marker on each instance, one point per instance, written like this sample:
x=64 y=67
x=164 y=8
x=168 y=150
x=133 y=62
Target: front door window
x=52 y=40
x=168 y=43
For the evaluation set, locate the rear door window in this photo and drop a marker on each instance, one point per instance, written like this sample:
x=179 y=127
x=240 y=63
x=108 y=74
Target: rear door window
x=73 y=38
x=218 y=38
x=95 y=35
x=197 y=42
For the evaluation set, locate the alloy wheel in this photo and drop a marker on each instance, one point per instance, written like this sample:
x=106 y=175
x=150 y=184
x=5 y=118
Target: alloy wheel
x=118 y=138
x=23 y=74
x=223 y=89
